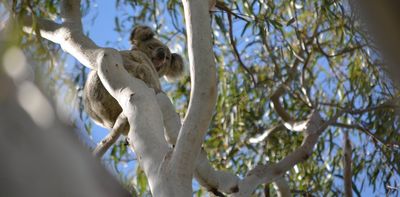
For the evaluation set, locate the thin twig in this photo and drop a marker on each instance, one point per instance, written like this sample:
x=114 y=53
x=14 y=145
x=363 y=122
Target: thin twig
x=223 y=7
x=236 y=52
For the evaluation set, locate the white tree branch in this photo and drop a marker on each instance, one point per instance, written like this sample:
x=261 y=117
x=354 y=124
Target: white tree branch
x=79 y=46
x=288 y=121
x=203 y=91
x=140 y=106
x=47 y=28
x=268 y=173
x=112 y=137
x=69 y=34
x=172 y=121
x=214 y=180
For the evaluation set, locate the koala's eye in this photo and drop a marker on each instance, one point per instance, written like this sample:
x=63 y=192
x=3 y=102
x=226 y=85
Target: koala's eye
x=151 y=47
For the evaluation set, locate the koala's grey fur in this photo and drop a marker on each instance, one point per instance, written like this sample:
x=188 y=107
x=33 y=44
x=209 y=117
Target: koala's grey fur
x=148 y=60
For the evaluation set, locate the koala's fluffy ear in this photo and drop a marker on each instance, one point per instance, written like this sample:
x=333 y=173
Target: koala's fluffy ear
x=176 y=67
x=141 y=33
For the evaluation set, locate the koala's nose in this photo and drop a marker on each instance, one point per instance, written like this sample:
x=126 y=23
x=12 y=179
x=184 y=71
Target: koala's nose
x=160 y=53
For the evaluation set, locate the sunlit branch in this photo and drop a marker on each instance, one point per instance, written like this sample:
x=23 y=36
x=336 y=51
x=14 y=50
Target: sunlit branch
x=203 y=90
x=48 y=29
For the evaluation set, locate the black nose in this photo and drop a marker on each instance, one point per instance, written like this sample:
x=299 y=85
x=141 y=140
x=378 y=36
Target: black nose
x=160 y=53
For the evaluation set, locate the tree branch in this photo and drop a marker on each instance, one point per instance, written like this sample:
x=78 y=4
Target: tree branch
x=120 y=124
x=69 y=34
x=288 y=121
x=172 y=121
x=347 y=167
x=268 y=173
x=236 y=52
x=214 y=180
x=46 y=28
x=204 y=91
x=140 y=106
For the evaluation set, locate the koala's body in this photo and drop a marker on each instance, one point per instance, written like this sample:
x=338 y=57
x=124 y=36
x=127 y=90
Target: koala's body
x=148 y=60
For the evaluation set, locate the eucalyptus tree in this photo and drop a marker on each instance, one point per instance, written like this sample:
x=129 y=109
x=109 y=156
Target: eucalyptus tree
x=287 y=92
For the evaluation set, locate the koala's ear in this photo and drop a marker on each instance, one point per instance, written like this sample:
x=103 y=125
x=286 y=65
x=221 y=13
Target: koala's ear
x=176 y=67
x=141 y=33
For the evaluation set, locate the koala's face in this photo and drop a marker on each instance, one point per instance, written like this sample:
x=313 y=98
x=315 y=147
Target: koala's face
x=165 y=62
x=159 y=54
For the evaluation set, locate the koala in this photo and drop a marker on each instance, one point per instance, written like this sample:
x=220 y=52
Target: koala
x=148 y=60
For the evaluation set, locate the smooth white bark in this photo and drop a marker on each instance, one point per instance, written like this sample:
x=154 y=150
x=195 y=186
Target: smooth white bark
x=140 y=106
x=112 y=137
x=203 y=90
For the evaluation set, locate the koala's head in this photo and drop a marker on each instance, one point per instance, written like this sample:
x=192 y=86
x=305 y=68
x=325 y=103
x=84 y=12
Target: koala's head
x=166 y=63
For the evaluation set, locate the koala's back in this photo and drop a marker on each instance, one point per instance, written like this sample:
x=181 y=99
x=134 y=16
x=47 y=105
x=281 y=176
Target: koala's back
x=100 y=105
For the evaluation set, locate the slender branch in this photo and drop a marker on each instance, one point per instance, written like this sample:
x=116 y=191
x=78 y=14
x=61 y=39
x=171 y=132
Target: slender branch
x=347 y=166
x=236 y=52
x=266 y=133
x=69 y=34
x=172 y=121
x=120 y=124
x=203 y=92
x=289 y=122
x=215 y=181
x=268 y=173
x=362 y=129
x=48 y=29
x=222 y=6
